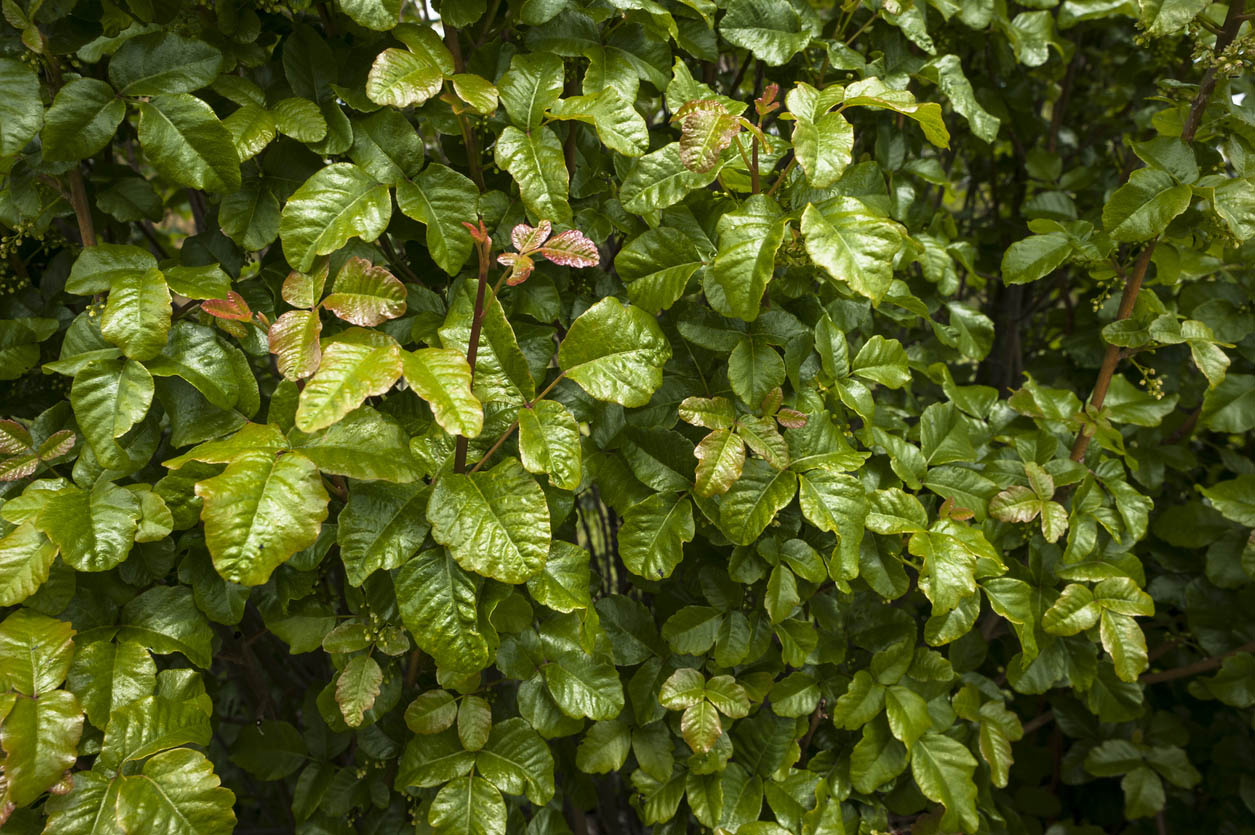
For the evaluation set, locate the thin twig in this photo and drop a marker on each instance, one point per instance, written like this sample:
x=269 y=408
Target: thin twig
x=510 y=431
x=1232 y=23
x=496 y=446
x=1039 y=721
x=468 y=134
x=1203 y=666
x=196 y=201
x=411 y=668
x=816 y=715
x=1187 y=427
x=394 y=259
x=784 y=175
x=1061 y=104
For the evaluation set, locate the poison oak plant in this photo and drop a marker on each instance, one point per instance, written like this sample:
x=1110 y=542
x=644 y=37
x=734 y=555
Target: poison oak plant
x=748 y=417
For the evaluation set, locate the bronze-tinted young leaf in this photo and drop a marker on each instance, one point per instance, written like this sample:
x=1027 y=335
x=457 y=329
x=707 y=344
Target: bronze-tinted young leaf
x=365 y=294
x=305 y=289
x=720 y=456
x=571 y=249
x=521 y=267
x=14 y=437
x=761 y=436
x=16 y=467
x=294 y=340
x=57 y=445
x=710 y=412
x=706 y=130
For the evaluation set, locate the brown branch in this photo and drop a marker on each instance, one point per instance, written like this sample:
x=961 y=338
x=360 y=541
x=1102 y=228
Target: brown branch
x=740 y=73
x=1061 y=104
x=395 y=259
x=1133 y=284
x=19 y=268
x=196 y=202
x=1165 y=647
x=1039 y=721
x=328 y=22
x=154 y=244
x=754 y=184
x=78 y=189
x=484 y=248
x=1232 y=23
x=488 y=19
x=336 y=486
x=1111 y=358
x=1203 y=666
x=568 y=151
x=1187 y=427
x=411 y=669
x=816 y=715
x=82 y=208
x=783 y=176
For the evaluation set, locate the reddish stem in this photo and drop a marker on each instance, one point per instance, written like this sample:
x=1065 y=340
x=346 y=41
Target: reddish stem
x=484 y=248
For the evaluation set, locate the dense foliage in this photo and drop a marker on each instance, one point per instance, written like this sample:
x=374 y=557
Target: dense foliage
x=736 y=416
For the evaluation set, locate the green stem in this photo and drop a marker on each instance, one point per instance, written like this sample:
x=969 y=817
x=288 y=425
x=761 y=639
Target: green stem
x=744 y=158
x=510 y=431
x=548 y=389
x=496 y=446
x=784 y=175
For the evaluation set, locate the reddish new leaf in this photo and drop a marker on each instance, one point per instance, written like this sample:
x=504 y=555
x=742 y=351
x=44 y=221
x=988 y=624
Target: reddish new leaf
x=14 y=438
x=479 y=233
x=57 y=444
x=527 y=238
x=521 y=266
x=18 y=466
x=706 y=129
x=232 y=308
x=571 y=249
x=791 y=418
